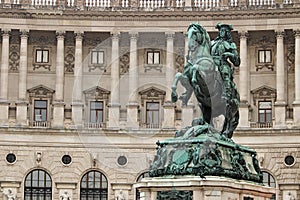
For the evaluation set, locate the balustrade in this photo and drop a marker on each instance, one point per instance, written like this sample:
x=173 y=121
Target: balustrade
x=205 y=4
x=261 y=2
x=43 y=2
x=152 y=3
x=97 y=3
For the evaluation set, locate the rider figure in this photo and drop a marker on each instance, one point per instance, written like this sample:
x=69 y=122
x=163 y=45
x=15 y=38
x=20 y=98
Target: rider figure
x=223 y=48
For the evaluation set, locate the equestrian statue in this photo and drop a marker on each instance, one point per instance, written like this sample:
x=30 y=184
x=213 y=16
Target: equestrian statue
x=206 y=146
x=208 y=73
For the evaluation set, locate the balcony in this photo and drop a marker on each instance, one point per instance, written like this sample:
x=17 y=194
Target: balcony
x=95 y=125
x=150 y=125
x=40 y=124
x=261 y=124
x=146 y=5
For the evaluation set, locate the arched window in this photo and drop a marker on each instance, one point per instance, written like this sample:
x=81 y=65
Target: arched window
x=143 y=175
x=38 y=185
x=93 y=185
x=269 y=180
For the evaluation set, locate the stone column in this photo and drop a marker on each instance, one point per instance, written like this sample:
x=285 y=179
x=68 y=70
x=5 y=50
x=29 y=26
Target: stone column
x=114 y=105
x=296 y=103
x=132 y=106
x=244 y=90
x=4 y=104
x=22 y=102
x=58 y=110
x=77 y=104
x=280 y=104
x=169 y=107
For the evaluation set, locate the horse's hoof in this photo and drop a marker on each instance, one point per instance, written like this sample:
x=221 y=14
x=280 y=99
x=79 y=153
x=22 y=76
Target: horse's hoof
x=174 y=98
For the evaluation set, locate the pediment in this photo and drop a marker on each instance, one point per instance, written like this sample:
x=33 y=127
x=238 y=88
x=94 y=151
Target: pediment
x=152 y=92
x=264 y=92
x=96 y=93
x=41 y=91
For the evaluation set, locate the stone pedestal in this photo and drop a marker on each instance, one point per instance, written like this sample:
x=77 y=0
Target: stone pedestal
x=22 y=113
x=77 y=111
x=169 y=116
x=132 y=115
x=121 y=190
x=58 y=115
x=4 y=113
x=187 y=114
x=10 y=190
x=114 y=116
x=244 y=112
x=196 y=188
x=280 y=113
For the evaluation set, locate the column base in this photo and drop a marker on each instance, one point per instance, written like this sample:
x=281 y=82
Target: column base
x=296 y=115
x=132 y=115
x=280 y=114
x=58 y=115
x=187 y=114
x=194 y=187
x=4 y=105
x=21 y=117
x=114 y=116
x=244 y=115
x=77 y=113
x=169 y=116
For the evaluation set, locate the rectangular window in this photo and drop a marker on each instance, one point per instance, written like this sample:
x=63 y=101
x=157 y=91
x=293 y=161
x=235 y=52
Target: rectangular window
x=97 y=57
x=40 y=110
x=42 y=56
x=264 y=56
x=153 y=57
x=152 y=113
x=265 y=111
x=96 y=111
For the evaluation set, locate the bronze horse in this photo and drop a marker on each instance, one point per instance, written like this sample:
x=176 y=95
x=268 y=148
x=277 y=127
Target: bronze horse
x=202 y=77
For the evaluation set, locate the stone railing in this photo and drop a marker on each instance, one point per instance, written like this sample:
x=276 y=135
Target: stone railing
x=150 y=125
x=97 y=125
x=261 y=125
x=146 y=4
x=40 y=124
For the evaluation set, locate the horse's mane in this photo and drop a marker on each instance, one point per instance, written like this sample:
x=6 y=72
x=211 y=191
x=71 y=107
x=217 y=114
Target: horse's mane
x=202 y=31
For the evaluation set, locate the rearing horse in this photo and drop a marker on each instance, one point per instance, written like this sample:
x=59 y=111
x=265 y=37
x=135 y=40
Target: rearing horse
x=202 y=77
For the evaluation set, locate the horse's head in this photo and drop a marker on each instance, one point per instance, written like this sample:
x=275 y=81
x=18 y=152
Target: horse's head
x=197 y=36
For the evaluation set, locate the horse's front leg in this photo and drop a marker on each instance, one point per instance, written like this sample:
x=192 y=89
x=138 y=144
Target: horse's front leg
x=194 y=71
x=174 y=95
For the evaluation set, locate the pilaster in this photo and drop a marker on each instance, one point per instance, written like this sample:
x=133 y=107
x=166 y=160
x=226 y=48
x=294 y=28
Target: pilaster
x=244 y=81
x=22 y=103
x=77 y=104
x=58 y=105
x=4 y=104
x=114 y=105
x=280 y=104
x=296 y=103
x=132 y=106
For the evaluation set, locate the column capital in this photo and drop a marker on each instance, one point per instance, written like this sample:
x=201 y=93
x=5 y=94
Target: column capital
x=279 y=34
x=243 y=34
x=60 y=34
x=115 y=35
x=297 y=33
x=78 y=35
x=170 y=35
x=24 y=33
x=134 y=35
x=5 y=32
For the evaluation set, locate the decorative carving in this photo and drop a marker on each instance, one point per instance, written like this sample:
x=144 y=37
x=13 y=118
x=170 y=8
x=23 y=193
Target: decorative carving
x=65 y=196
x=42 y=40
x=78 y=35
x=5 y=32
x=124 y=63
x=152 y=93
x=174 y=194
x=120 y=196
x=10 y=194
x=14 y=58
x=69 y=59
x=179 y=60
x=40 y=91
x=38 y=158
x=263 y=92
x=291 y=58
x=15 y=37
x=60 y=35
x=96 y=93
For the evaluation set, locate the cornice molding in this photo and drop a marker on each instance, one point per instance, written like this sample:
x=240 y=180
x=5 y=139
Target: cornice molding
x=155 y=15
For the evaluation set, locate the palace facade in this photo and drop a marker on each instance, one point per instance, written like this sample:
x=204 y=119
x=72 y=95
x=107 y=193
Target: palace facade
x=85 y=90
